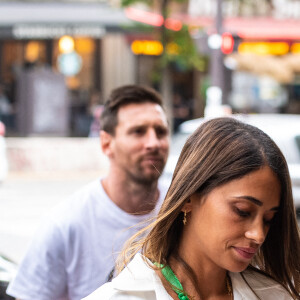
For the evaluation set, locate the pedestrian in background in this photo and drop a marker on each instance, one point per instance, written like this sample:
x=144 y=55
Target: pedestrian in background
x=73 y=251
x=226 y=230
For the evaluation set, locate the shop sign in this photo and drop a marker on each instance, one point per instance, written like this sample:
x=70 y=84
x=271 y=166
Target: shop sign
x=51 y=31
x=146 y=47
x=264 y=48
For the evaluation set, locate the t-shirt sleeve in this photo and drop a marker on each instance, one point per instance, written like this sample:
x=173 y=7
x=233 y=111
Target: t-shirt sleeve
x=42 y=273
x=105 y=292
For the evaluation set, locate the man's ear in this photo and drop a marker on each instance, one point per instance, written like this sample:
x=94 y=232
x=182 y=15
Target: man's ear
x=105 y=142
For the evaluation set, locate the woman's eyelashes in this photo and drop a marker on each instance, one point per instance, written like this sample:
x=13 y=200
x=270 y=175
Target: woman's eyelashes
x=242 y=213
x=270 y=219
x=246 y=213
x=268 y=222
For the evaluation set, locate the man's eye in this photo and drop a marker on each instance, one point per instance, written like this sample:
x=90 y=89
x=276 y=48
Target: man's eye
x=139 y=131
x=160 y=132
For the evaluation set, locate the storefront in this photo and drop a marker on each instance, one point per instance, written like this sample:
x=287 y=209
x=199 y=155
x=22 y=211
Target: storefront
x=263 y=61
x=73 y=41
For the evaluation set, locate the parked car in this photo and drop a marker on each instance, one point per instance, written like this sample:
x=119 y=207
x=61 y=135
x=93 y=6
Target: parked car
x=284 y=129
x=8 y=270
x=3 y=158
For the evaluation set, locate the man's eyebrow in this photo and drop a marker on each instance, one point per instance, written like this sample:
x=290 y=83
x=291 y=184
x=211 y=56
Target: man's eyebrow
x=138 y=126
x=256 y=201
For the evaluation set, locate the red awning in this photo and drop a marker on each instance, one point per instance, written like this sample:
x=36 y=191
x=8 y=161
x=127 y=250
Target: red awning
x=251 y=28
x=254 y=28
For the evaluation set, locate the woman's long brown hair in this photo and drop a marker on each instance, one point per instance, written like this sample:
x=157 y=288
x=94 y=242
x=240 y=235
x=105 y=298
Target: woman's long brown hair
x=219 y=151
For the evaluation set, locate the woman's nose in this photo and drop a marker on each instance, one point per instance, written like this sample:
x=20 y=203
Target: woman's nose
x=257 y=232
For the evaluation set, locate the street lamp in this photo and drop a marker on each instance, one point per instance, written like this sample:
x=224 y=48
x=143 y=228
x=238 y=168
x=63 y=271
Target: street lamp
x=216 y=59
x=214 y=95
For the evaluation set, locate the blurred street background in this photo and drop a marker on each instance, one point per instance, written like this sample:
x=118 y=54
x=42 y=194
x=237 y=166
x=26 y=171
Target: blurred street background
x=42 y=172
x=59 y=60
x=25 y=199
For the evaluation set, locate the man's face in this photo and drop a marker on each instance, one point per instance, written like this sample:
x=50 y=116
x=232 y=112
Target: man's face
x=140 y=146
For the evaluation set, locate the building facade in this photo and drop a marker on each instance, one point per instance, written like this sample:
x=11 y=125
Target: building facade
x=82 y=44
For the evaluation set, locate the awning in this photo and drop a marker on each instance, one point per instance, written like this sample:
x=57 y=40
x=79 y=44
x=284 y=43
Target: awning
x=265 y=28
x=48 y=20
x=250 y=28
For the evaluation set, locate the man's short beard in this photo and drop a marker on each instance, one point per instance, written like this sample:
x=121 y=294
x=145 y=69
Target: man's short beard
x=146 y=180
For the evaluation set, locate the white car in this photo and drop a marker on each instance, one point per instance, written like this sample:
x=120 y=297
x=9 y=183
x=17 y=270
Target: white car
x=3 y=158
x=284 y=129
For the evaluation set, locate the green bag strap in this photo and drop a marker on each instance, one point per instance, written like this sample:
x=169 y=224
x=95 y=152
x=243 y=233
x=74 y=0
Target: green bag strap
x=173 y=280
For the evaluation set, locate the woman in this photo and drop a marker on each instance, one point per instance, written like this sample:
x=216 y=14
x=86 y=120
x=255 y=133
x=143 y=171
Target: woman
x=226 y=230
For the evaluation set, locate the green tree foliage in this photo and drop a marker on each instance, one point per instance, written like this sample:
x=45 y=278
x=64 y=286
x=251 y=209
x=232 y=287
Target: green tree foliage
x=184 y=55
x=179 y=47
x=131 y=2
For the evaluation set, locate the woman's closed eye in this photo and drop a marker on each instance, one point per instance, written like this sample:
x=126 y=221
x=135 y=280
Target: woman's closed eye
x=242 y=213
x=245 y=214
x=269 y=220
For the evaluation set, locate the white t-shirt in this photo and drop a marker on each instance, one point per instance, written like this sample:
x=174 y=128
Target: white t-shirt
x=74 y=250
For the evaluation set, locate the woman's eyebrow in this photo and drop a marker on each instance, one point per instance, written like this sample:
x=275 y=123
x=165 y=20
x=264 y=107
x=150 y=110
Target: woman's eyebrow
x=252 y=199
x=256 y=201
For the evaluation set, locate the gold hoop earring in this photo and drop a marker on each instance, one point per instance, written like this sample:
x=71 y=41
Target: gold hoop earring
x=184 y=218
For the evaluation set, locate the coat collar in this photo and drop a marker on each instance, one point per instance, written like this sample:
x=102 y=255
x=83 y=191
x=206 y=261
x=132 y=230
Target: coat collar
x=241 y=290
x=138 y=276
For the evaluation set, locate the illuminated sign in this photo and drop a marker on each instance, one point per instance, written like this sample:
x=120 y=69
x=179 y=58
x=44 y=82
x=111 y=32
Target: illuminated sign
x=147 y=47
x=295 y=48
x=264 y=48
x=227 y=43
x=48 y=31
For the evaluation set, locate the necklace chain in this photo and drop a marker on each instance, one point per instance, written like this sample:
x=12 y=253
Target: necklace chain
x=229 y=286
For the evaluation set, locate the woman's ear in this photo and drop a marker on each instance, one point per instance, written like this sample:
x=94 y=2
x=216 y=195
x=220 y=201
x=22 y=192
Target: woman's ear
x=187 y=207
x=191 y=202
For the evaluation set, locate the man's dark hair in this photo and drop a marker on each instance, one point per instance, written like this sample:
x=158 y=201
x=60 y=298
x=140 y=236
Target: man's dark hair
x=122 y=96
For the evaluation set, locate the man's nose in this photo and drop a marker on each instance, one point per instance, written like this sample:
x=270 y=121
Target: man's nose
x=257 y=232
x=151 y=139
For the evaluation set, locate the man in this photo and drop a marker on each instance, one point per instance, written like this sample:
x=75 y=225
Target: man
x=75 y=249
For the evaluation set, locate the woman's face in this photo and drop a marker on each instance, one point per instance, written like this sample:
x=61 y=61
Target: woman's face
x=228 y=226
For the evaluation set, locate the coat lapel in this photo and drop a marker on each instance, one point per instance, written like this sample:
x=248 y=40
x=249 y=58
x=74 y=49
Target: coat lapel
x=240 y=288
x=137 y=276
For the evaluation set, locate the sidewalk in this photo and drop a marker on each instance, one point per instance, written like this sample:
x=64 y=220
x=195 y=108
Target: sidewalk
x=54 y=154
x=25 y=198
x=43 y=172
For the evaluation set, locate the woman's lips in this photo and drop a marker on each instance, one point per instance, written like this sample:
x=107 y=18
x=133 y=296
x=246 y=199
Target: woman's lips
x=245 y=253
